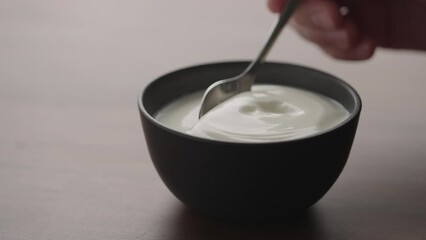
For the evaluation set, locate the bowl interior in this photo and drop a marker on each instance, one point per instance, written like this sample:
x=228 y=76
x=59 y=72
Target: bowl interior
x=179 y=83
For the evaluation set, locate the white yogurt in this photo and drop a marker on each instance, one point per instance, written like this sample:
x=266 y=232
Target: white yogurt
x=268 y=113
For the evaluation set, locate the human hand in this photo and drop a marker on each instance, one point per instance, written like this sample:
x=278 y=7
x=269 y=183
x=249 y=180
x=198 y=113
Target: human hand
x=367 y=24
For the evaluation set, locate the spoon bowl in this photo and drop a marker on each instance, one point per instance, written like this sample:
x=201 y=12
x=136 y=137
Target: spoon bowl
x=222 y=90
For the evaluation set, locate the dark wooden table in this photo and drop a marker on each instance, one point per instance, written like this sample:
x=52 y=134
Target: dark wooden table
x=73 y=161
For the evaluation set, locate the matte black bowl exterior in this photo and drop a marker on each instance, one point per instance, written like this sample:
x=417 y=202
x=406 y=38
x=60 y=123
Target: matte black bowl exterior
x=248 y=181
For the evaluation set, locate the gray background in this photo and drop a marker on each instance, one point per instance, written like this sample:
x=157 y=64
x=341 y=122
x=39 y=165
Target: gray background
x=73 y=161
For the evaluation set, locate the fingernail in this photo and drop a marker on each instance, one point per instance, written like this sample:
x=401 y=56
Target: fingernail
x=339 y=39
x=322 y=20
x=365 y=49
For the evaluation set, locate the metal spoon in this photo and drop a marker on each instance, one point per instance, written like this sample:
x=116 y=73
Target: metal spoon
x=222 y=90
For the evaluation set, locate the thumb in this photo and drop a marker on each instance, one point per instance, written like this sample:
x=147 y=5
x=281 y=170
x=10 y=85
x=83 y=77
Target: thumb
x=276 y=5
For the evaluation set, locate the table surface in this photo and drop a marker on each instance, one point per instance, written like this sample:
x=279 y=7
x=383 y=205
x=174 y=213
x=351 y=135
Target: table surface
x=73 y=160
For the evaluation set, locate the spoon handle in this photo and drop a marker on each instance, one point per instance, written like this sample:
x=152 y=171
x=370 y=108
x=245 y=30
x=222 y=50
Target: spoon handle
x=222 y=90
x=285 y=15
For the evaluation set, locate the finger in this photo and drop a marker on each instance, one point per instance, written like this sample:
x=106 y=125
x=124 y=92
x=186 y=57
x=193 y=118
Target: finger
x=364 y=50
x=323 y=14
x=321 y=22
x=343 y=38
x=319 y=14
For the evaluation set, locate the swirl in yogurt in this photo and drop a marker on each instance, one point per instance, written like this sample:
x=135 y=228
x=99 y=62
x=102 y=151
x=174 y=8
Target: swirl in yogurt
x=268 y=113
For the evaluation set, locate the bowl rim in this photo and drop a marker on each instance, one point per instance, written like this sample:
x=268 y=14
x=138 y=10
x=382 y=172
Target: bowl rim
x=356 y=111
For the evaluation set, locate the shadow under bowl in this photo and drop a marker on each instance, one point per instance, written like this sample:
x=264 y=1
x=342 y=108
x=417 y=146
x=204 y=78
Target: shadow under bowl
x=248 y=182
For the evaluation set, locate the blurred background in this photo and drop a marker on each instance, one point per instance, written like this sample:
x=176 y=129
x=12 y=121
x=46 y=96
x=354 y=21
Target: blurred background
x=70 y=74
x=74 y=55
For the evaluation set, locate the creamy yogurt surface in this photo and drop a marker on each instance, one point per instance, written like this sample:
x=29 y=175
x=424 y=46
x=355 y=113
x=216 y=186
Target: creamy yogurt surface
x=268 y=113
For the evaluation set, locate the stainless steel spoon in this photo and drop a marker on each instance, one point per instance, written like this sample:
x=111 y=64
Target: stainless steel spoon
x=222 y=90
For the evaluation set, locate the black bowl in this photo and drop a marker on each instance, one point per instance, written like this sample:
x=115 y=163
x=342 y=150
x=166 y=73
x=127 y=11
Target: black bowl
x=248 y=181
